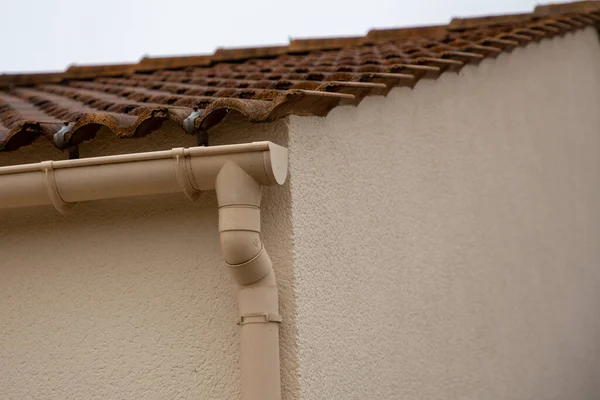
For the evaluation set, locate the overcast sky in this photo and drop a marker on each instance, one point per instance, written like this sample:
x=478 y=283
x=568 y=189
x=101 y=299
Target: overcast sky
x=46 y=35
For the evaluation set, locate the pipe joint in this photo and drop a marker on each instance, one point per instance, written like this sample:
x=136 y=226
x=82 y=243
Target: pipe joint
x=236 y=188
x=252 y=270
x=239 y=218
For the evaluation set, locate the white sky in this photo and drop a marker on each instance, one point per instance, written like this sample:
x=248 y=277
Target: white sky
x=46 y=35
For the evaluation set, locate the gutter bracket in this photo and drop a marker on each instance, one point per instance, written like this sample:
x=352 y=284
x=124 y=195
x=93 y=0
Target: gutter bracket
x=189 y=125
x=190 y=121
x=50 y=182
x=183 y=174
x=59 y=137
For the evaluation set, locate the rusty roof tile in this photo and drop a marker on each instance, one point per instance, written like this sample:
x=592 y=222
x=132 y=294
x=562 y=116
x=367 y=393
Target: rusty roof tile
x=319 y=44
x=156 y=63
x=233 y=54
x=563 y=8
x=306 y=77
x=380 y=35
x=519 y=38
x=7 y=80
x=479 y=22
x=91 y=71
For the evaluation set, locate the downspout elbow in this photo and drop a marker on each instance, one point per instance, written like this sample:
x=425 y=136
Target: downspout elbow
x=239 y=198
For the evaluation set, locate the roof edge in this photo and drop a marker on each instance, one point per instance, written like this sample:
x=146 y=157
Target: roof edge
x=220 y=55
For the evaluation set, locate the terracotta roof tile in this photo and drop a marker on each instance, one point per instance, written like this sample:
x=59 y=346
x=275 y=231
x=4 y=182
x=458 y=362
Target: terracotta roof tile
x=563 y=8
x=320 y=44
x=307 y=77
x=381 y=35
x=156 y=63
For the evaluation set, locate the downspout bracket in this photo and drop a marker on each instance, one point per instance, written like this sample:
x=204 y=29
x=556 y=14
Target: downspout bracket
x=259 y=318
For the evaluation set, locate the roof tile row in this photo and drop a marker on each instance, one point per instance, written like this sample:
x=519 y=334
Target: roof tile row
x=308 y=77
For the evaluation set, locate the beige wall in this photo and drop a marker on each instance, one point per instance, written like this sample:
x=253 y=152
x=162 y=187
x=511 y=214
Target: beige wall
x=443 y=247
x=447 y=239
x=129 y=299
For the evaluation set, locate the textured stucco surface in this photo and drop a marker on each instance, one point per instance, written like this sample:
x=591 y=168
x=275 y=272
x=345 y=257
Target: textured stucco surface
x=130 y=298
x=447 y=239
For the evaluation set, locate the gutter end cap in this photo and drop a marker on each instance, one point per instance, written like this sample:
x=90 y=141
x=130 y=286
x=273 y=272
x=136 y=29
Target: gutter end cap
x=276 y=164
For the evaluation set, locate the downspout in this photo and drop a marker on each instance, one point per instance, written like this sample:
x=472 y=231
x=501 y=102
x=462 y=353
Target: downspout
x=237 y=173
x=239 y=199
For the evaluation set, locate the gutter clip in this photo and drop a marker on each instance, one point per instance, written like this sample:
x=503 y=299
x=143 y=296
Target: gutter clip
x=183 y=174
x=50 y=182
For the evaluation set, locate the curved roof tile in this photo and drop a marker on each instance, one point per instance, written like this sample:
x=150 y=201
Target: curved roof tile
x=307 y=77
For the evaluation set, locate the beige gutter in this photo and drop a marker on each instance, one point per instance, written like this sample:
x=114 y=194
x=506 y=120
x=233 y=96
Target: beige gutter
x=237 y=173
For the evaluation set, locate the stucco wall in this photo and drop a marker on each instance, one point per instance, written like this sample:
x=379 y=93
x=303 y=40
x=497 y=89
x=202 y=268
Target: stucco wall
x=129 y=299
x=446 y=239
